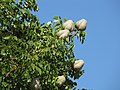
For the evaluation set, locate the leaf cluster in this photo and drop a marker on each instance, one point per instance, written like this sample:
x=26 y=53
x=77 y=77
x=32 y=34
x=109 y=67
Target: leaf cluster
x=31 y=50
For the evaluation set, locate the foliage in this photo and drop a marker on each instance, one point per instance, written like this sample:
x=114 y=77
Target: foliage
x=31 y=50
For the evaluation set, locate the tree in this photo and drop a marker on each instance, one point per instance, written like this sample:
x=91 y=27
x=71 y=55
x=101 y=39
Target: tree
x=37 y=56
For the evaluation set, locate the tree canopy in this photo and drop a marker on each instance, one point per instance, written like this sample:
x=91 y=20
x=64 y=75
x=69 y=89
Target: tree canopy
x=35 y=56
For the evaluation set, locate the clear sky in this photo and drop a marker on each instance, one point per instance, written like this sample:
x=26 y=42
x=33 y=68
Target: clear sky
x=101 y=51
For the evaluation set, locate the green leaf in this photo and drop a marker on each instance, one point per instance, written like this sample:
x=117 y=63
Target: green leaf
x=55 y=21
x=49 y=23
x=33 y=66
x=36 y=8
x=15 y=38
x=55 y=17
x=39 y=70
x=20 y=2
x=6 y=38
x=53 y=32
x=65 y=19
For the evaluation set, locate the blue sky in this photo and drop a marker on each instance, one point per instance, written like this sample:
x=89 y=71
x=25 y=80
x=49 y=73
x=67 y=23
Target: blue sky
x=101 y=51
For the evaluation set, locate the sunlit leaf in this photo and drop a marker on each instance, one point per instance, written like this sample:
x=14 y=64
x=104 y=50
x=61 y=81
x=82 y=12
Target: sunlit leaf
x=55 y=17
